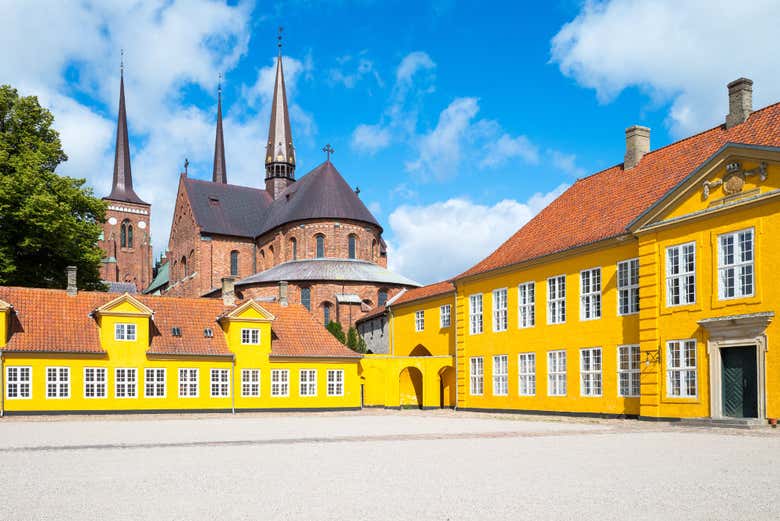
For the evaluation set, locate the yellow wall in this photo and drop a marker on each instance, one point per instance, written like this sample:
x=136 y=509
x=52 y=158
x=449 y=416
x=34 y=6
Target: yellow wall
x=387 y=383
x=437 y=340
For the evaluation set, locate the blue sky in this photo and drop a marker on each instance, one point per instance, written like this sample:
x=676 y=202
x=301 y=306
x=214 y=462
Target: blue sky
x=458 y=120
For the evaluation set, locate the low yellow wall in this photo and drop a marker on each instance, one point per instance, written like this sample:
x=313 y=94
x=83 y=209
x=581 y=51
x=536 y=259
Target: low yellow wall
x=390 y=381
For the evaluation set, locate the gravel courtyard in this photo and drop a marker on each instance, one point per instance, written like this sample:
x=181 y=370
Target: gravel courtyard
x=381 y=465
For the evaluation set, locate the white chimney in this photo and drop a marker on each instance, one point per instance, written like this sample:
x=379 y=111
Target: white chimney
x=283 y=293
x=70 y=273
x=740 y=101
x=229 y=291
x=637 y=145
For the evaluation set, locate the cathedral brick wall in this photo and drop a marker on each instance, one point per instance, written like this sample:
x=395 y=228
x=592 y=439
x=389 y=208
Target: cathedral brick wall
x=133 y=263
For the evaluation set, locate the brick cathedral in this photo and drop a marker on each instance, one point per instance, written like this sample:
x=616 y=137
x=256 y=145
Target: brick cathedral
x=307 y=240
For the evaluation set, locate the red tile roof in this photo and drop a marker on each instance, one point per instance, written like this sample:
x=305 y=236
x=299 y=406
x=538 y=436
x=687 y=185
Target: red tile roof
x=46 y=320
x=604 y=204
x=431 y=290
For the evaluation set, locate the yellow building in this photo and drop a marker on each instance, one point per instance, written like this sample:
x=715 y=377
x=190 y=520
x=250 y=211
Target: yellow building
x=64 y=351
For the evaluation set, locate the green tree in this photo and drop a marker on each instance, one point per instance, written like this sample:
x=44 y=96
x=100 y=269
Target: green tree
x=337 y=331
x=355 y=342
x=47 y=221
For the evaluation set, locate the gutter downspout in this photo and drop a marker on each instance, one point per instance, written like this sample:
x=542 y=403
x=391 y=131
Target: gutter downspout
x=233 y=387
x=455 y=354
x=392 y=330
x=2 y=384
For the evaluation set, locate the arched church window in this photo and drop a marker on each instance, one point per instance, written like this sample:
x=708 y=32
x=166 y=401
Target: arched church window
x=293 y=249
x=326 y=313
x=352 y=246
x=320 y=246
x=382 y=297
x=234 y=263
x=306 y=298
x=126 y=234
x=184 y=266
x=373 y=249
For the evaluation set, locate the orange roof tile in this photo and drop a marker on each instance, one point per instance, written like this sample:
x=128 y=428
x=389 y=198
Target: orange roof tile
x=602 y=205
x=431 y=290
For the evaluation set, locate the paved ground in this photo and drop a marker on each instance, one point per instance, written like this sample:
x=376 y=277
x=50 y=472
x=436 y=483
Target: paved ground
x=388 y=466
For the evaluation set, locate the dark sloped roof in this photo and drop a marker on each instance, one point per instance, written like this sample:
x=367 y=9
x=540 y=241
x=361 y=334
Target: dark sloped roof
x=328 y=269
x=604 y=204
x=227 y=209
x=161 y=279
x=120 y=287
x=320 y=194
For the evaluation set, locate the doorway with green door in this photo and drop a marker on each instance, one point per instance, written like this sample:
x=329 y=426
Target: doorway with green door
x=739 y=382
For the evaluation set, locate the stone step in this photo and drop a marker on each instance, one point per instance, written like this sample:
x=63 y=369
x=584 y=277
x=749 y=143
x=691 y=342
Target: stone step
x=729 y=423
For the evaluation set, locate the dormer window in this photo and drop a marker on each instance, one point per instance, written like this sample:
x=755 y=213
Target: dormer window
x=176 y=331
x=124 y=332
x=250 y=336
x=208 y=333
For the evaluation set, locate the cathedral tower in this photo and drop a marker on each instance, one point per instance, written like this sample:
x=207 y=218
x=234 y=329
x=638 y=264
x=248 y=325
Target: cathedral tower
x=126 y=233
x=280 y=152
x=219 y=175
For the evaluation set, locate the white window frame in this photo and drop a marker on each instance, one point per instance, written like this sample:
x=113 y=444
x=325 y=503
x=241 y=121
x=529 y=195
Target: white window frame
x=155 y=382
x=476 y=376
x=335 y=382
x=500 y=375
x=681 y=278
x=125 y=332
x=280 y=383
x=58 y=382
x=526 y=374
x=14 y=381
x=307 y=382
x=250 y=383
x=123 y=385
x=526 y=305
x=476 y=323
x=189 y=379
x=591 y=364
x=741 y=269
x=556 y=305
x=556 y=377
x=445 y=316
x=628 y=287
x=500 y=310
x=95 y=384
x=219 y=382
x=250 y=336
x=590 y=294
x=629 y=371
x=419 y=320
x=687 y=372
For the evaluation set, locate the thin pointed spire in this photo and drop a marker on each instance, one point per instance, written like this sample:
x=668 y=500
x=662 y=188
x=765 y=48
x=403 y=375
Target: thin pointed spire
x=220 y=172
x=122 y=187
x=280 y=152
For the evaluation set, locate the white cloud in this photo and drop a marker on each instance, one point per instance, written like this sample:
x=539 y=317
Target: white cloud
x=411 y=64
x=358 y=69
x=370 y=138
x=506 y=148
x=566 y=163
x=440 y=240
x=678 y=52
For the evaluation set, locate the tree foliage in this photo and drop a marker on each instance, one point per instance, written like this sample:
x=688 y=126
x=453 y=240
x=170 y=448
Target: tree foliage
x=337 y=331
x=355 y=342
x=47 y=221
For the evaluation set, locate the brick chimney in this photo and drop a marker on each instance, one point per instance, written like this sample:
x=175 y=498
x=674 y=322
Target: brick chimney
x=283 y=293
x=229 y=291
x=637 y=145
x=740 y=101
x=70 y=273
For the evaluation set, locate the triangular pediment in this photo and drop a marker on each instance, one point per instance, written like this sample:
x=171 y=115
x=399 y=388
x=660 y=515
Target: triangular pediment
x=735 y=175
x=250 y=311
x=124 y=305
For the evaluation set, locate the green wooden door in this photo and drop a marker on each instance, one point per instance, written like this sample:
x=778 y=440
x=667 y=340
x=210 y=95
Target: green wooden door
x=739 y=382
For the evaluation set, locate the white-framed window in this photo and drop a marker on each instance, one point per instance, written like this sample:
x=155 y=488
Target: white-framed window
x=445 y=314
x=126 y=382
x=95 y=382
x=556 y=373
x=154 y=382
x=628 y=286
x=499 y=310
x=500 y=375
x=590 y=294
x=220 y=383
x=18 y=382
x=419 y=320
x=58 y=382
x=335 y=382
x=556 y=299
x=476 y=373
x=250 y=335
x=526 y=374
x=735 y=265
x=280 y=382
x=308 y=382
x=590 y=371
x=475 y=314
x=124 y=332
x=628 y=370
x=526 y=304
x=250 y=382
x=681 y=369
x=188 y=382
x=681 y=274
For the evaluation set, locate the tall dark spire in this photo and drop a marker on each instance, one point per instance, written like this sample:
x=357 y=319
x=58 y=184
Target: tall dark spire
x=280 y=152
x=220 y=173
x=122 y=188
